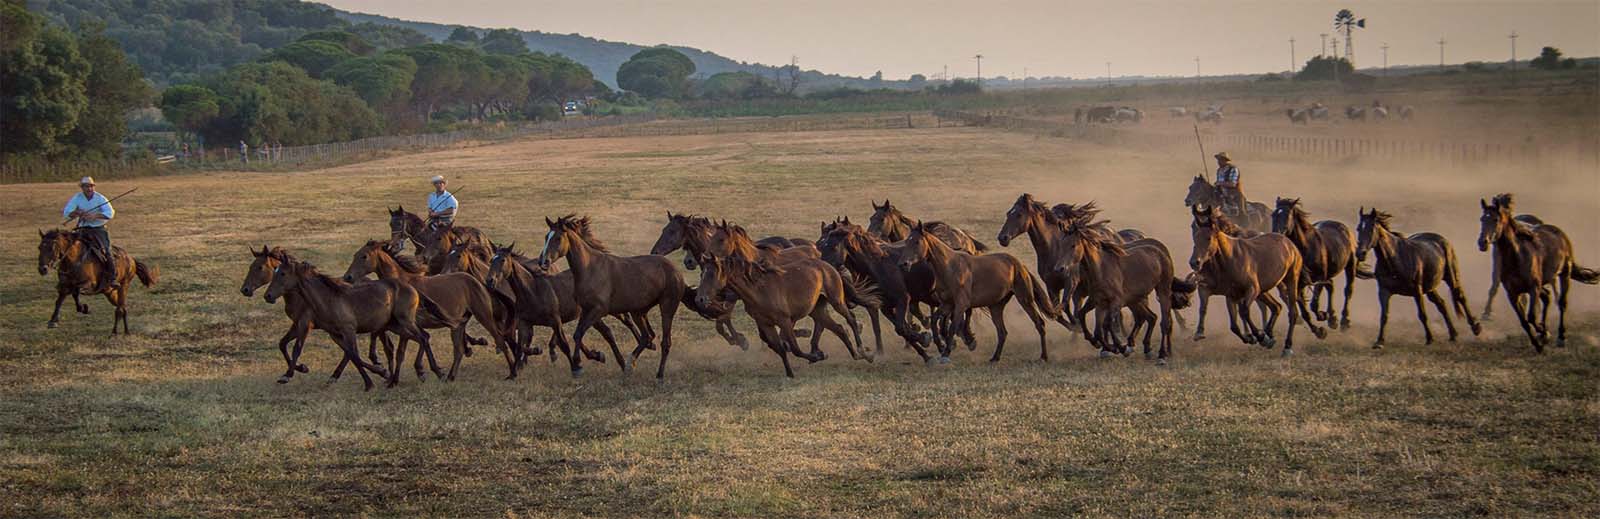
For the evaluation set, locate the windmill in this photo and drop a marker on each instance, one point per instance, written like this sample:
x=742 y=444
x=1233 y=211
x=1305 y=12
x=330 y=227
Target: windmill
x=1346 y=21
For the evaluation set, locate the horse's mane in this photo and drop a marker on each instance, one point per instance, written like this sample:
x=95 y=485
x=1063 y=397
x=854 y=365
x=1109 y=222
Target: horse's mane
x=282 y=254
x=1506 y=203
x=750 y=270
x=1065 y=215
x=309 y=272
x=869 y=244
x=1097 y=234
x=581 y=226
x=1302 y=218
x=1222 y=223
x=406 y=262
x=403 y=214
x=939 y=249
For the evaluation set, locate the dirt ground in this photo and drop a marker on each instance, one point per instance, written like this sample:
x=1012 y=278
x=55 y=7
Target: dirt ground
x=183 y=417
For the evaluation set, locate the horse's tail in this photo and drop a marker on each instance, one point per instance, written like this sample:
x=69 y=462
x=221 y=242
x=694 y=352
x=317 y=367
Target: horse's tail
x=1452 y=279
x=976 y=245
x=149 y=274
x=1181 y=289
x=481 y=304
x=1041 y=299
x=861 y=292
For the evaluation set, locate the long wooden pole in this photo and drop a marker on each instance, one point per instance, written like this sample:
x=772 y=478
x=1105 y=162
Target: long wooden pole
x=1204 y=173
x=102 y=204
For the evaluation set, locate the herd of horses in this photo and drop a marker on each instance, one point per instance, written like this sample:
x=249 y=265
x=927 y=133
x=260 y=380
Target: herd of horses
x=925 y=277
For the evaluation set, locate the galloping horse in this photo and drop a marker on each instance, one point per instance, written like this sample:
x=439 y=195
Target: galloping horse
x=966 y=281
x=849 y=246
x=432 y=243
x=343 y=310
x=262 y=270
x=1244 y=270
x=1118 y=276
x=1529 y=260
x=606 y=284
x=890 y=224
x=458 y=296
x=1412 y=266
x=730 y=240
x=77 y=270
x=775 y=297
x=1255 y=215
x=687 y=231
x=1507 y=201
x=1328 y=249
x=545 y=299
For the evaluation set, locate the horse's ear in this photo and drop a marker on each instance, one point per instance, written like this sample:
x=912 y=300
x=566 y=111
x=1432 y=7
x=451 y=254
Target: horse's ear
x=1297 y=201
x=874 y=204
x=41 y=233
x=548 y=222
x=847 y=220
x=1483 y=203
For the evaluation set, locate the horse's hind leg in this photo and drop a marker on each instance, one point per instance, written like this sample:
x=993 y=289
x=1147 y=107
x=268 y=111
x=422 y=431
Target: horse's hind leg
x=1422 y=316
x=1544 y=314
x=55 y=317
x=1349 y=290
x=605 y=333
x=669 y=307
x=1444 y=310
x=1270 y=304
x=819 y=316
x=997 y=315
x=1562 y=284
x=1522 y=319
x=80 y=306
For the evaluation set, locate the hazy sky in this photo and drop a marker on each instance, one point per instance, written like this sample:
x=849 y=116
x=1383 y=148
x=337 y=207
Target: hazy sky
x=1062 y=37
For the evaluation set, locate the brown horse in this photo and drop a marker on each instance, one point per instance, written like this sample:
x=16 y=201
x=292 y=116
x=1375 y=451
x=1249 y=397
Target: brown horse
x=343 y=310
x=1118 y=276
x=892 y=225
x=77 y=270
x=1503 y=200
x=775 y=297
x=687 y=231
x=965 y=282
x=1328 y=249
x=728 y=240
x=544 y=299
x=1529 y=260
x=432 y=243
x=1244 y=270
x=262 y=269
x=849 y=246
x=458 y=296
x=1412 y=266
x=606 y=284
x=1202 y=192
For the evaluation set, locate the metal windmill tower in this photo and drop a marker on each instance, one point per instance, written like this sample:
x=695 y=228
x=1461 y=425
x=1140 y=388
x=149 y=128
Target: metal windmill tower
x=1346 y=21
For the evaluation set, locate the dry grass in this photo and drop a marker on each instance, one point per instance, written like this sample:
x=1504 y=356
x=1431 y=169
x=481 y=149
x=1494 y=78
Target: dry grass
x=183 y=418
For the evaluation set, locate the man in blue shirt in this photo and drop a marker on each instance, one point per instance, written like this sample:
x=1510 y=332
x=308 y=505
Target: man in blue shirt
x=1228 y=185
x=441 y=205
x=93 y=210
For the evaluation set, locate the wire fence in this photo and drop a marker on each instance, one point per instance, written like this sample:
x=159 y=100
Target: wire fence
x=711 y=126
x=1581 y=154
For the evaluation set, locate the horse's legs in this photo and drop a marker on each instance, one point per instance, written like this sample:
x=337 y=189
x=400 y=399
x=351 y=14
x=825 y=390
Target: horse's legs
x=1544 y=314
x=1244 y=315
x=1233 y=321
x=61 y=295
x=1294 y=298
x=897 y=316
x=1200 y=322
x=1422 y=316
x=1522 y=318
x=1275 y=307
x=775 y=343
x=1031 y=307
x=586 y=320
x=1438 y=302
x=458 y=339
x=669 y=307
x=819 y=316
x=79 y=305
x=1145 y=317
x=346 y=340
x=605 y=333
x=1494 y=287
x=1349 y=290
x=838 y=305
x=1563 y=283
x=1383 y=315
x=399 y=362
x=997 y=315
x=877 y=332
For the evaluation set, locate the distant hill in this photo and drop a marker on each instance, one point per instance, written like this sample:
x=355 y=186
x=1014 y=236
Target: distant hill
x=604 y=57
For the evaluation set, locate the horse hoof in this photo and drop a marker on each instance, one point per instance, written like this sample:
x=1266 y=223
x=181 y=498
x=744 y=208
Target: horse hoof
x=931 y=361
x=742 y=343
x=302 y=368
x=283 y=379
x=1321 y=333
x=1198 y=337
x=1561 y=342
x=1344 y=324
x=944 y=360
x=330 y=381
x=1477 y=329
x=1147 y=356
x=1106 y=354
x=535 y=351
x=51 y=324
x=1287 y=352
x=577 y=372
x=1268 y=342
x=1161 y=361
x=1486 y=317
x=1377 y=345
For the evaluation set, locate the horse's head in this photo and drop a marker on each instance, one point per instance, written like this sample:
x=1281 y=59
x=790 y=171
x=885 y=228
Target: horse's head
x=367 y=259
x=714 y=278
x=1206 y=230
x=1367 y=229
x=402 y=226
x=886 y=221
x=53 y=248
x=262 y=266
x=671 y=235
x=728 y=240
x=460 y=257
x=1496 y=220
x=500 y=263
x=287 y=277
x=1083 y=241
x=566 y=233
x=1200 y=192
x=837 y=240
x=918 y=246
x=1283 y=214
x=1025 y=213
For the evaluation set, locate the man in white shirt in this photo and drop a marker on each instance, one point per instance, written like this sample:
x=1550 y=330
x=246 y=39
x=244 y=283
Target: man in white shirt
x=93 y=210
x=441 y=205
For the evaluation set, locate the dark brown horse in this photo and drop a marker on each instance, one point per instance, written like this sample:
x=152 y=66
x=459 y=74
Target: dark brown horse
x=1412 y=266
x=850 y=246
x=965 y=282
x=775 y=297
x=77 y=270
x=544 y=299
x=892 y=225
x=262 y=269
x=432 y=243
x=1118 y=276
x=344 y=310
x=459 y=298
x=686 y=231
x=1528 y=220
x=1244 y=270
x=728 y=240
x=1256 y=216
x=1530 y=260
x=607 y=284
x=1328 y=249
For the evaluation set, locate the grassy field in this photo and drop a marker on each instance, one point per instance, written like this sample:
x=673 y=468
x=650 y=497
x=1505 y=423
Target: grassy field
x=183 y=417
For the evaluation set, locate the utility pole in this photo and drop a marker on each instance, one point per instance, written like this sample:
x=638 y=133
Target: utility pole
x=1197 y=66
x=979 y=58
x=1335 y=47
x=1513 y=38
x=1441 y=54
x=946 y=74
x=1324 y=51
x=1385 y=48
x=1024 y=79
x=1108 y=70
x=1293 y=63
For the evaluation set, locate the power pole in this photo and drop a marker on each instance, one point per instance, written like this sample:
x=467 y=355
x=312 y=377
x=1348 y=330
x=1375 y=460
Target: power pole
x=1513 y=38
x=1108 y=70
x=1441 y=54
x=1385 y=48
x=1324 y=51
x=1293 y=63
x=946 y=74
x=979 y=58
x=1335 y=47
x=1024 y=79
x=1197 y=66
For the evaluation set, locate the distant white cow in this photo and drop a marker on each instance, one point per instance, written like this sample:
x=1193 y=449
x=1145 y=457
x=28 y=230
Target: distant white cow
x=1178 y=111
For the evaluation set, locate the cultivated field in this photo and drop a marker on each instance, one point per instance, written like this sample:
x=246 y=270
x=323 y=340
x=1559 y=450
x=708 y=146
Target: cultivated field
x=183 y=418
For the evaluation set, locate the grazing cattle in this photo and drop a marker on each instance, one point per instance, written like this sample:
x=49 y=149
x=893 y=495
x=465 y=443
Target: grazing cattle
x=1355 y=113
x=1406 y=112
x=1128 y=115
x=1298 y=115
x=1177 y=112
x=1100 y=114
x=1211 y=115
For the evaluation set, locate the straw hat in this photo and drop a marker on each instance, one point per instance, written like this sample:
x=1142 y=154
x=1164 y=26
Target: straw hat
x=437 y=179
x=1223 y=156
x=86 y=181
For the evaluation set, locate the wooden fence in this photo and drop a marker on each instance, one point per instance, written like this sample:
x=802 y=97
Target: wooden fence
x=711 y=126
x=1584 y=154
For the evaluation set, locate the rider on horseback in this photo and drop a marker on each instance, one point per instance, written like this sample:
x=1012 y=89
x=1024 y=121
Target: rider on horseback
x=93 y=210
x=1228 y=185
x=441 y=205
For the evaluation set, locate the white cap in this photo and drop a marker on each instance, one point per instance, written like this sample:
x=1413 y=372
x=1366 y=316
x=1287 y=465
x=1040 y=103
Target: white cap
x=437 y=179
x=86 y=180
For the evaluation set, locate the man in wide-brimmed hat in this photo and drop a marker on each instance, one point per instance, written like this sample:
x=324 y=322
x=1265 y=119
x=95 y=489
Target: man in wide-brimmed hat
x=93 y=210
x=441 y=205
x=1228 y=185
